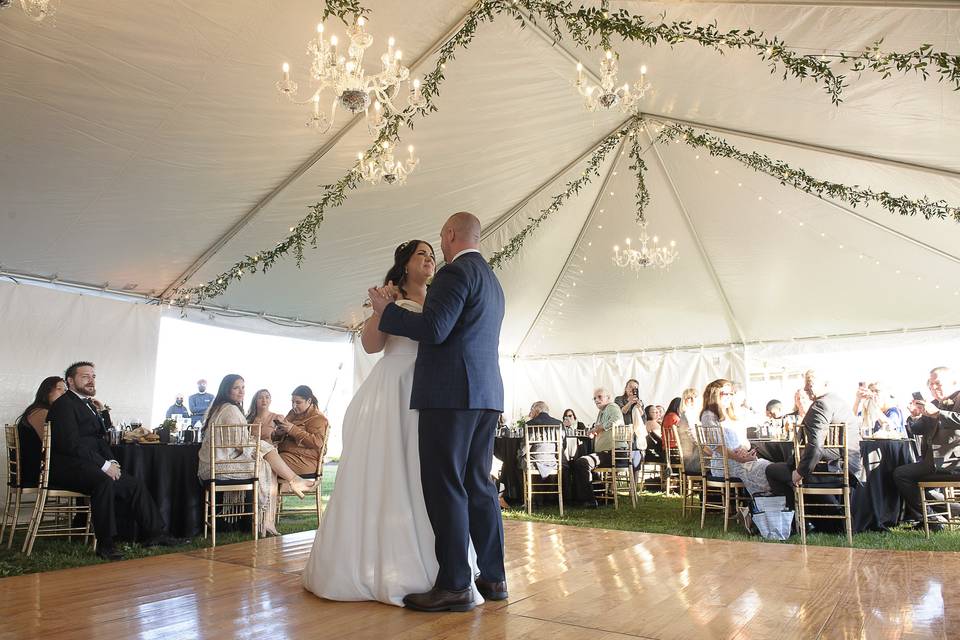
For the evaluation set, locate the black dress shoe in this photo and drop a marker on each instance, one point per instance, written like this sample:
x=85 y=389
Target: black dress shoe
x=440 y=600
x=109 y=554
x=163 y=540
x=492 y=590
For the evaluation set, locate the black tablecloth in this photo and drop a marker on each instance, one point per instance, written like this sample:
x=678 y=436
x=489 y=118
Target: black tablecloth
x=509 y=451
x=170 y=474
x=876 y=506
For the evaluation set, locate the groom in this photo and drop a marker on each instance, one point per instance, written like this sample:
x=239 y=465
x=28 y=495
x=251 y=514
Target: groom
x=459 y=392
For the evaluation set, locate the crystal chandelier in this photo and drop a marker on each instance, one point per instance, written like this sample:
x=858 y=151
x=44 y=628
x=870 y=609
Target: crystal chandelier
x=382 y=166
x=607 y=95
x=354 y=90
x=36 y=10
x=650 y=254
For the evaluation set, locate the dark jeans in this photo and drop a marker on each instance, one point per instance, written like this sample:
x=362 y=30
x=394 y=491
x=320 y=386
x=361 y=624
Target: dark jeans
x=907 y=478
x=583 y=474
x=105 y=493
x=780 y=477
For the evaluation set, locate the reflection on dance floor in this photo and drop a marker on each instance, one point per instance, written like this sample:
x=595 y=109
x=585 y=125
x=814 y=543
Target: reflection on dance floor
x=563 y=581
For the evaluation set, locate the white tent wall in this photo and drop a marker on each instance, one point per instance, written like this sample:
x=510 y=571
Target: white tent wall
x=45 y=330
x=901 y=362
x=568 y=381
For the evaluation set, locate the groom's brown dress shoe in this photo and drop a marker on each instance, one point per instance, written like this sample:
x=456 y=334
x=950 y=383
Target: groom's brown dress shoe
x=440 y=600
x=492 y=590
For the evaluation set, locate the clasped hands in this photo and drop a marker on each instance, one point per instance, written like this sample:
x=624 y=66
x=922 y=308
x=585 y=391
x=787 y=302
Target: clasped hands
x=380 y=297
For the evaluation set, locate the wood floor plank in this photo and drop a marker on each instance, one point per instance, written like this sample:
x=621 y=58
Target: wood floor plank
x=564 y=582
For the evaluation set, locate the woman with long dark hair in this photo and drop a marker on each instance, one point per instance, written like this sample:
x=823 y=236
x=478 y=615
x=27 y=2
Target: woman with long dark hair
x=303 y=433
x=31 y=425
x=227 y=409
x=375 y=541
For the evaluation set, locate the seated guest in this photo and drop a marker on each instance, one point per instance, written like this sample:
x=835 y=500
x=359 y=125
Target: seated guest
x=742 y=462
x=82 y=461
x=801 y=404
x=200 y=401
x=237 y=463
x=629 y=400
x=540 y=415
x=915 y=409
x=775 y=410
x=177 y=408
x=827 y=408
x=261 y=417
x=654 y=436
x=686 y=431
x=570 y=421
x=670 y=420
x=609 y=415
x=303 y=434
x=872 y=406
x=940 y=427
x=31 y=425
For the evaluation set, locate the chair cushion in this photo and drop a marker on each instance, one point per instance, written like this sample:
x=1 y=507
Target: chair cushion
x=227 y=483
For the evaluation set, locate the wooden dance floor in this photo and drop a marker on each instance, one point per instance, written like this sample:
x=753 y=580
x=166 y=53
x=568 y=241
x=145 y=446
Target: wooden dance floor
x=565 y=582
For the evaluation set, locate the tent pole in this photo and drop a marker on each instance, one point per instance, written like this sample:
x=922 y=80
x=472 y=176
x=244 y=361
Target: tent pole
x=248 y=217
x=731 y=317
x=901 y=164
x=502 y=220
x=576 y=244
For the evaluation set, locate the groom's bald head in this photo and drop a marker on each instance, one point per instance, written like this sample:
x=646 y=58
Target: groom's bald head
x=460 y=231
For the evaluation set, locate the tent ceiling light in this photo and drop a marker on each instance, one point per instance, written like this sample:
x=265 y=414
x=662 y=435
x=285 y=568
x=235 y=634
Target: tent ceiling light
x=649 y=254
x=353 y=89
x=383 y=167
x=36 y=10
x=607 y=95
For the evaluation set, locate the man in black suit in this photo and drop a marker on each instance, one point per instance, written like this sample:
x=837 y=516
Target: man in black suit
x=540 y=416
x=459 y=392
x=80 y=460
x=939 y=426
x=827 y=408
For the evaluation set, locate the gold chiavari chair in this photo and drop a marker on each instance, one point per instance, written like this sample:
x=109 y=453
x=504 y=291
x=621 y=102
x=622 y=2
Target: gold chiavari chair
x=620 y=469
x=15 y=485
x=950 y=496
x=673 y=471
x=317 y=491
x=542 y=445
x=827 y=482
x=246 y=477
x=727 y=492
x=63 y=505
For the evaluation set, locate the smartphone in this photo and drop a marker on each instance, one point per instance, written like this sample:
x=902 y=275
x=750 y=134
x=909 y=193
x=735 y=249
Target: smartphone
x=276 y=423
x=917 y=396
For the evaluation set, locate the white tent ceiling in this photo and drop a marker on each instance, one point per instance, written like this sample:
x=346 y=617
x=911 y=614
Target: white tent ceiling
x=143 y=142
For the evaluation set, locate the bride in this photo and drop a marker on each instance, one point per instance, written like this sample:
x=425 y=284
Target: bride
x=375 y=541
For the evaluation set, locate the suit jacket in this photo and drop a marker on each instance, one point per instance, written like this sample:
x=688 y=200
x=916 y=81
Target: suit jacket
x=544 y=419
x=829 y=409
x=941 y=434
x=458 y=361
x=78 y=433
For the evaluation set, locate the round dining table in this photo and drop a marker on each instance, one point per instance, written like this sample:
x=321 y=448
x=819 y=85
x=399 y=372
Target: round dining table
x=169 y=471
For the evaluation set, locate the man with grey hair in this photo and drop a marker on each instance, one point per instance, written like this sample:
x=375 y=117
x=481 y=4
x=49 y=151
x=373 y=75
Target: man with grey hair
x=609 y=415
x=939 y=426
x=827 y=408
x=540 y=415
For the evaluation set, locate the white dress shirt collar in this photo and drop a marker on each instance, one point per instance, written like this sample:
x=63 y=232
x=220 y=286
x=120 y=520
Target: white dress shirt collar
x=463 y=252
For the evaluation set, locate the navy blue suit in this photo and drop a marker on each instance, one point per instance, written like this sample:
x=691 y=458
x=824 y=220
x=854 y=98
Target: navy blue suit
x=459 y=392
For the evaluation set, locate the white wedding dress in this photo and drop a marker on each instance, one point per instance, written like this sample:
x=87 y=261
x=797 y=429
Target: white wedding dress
x=375 y=541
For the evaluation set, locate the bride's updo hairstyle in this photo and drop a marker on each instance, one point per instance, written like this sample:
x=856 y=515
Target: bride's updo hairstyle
x=401 y=256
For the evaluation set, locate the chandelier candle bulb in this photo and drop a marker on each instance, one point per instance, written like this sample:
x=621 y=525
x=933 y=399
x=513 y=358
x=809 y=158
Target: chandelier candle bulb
x=286 y=71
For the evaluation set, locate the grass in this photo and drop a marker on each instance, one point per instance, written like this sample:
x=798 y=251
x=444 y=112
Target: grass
x=50 y=554
x=657 y=513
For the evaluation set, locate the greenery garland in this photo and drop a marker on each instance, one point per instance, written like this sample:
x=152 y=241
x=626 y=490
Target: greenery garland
x=590 y=25
x=592 y=169
x=585 y=25
x=802 y=181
